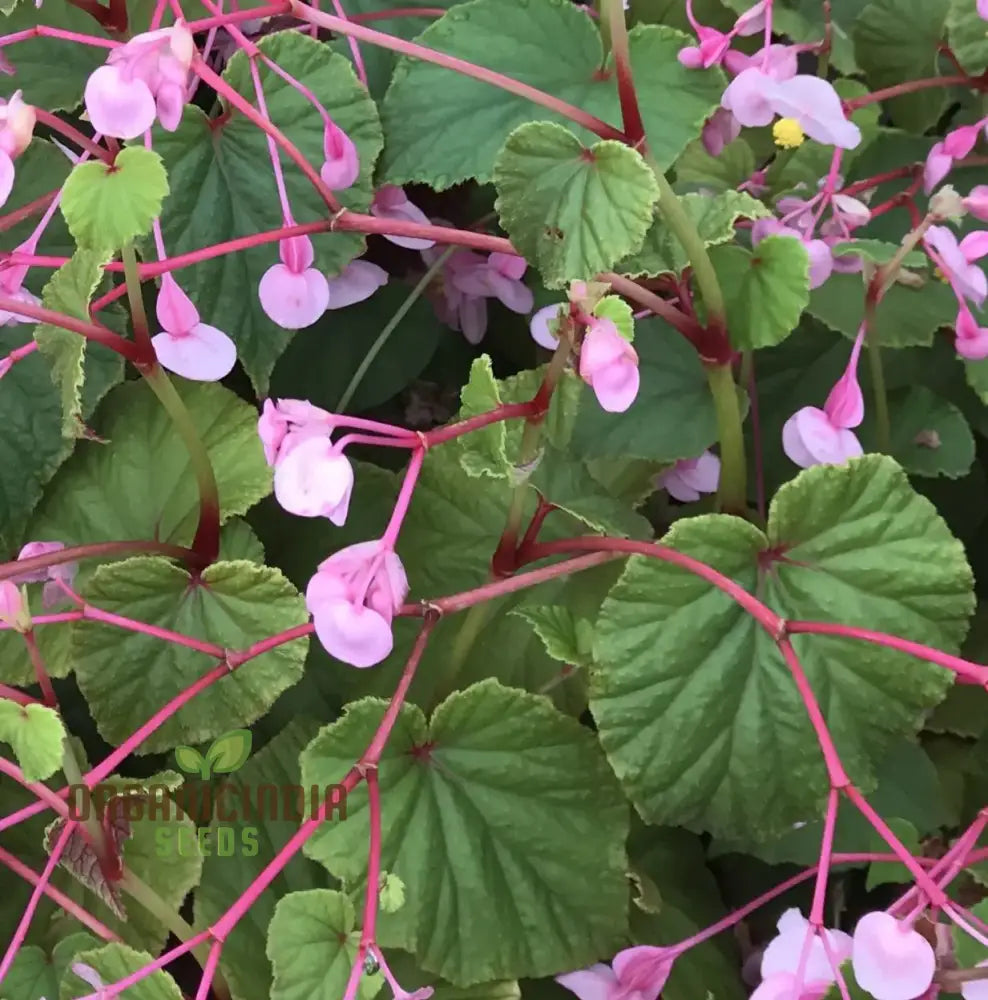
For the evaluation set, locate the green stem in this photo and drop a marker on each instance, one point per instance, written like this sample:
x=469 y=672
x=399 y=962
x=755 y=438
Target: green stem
x=91 y=824
x=390 y=327
x=732 y=493
x=137 y=889
x=206 y=543
x=883 y=425
x=135 y=296
x=684 y=229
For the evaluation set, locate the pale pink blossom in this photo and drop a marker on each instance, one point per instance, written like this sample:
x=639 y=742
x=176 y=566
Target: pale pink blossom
x=957 y=259
x=53 y=577
x=12 y=286
x=13 y=609
x=89 y=976
x=341 y=168
x=782 y=955
x=293 y=293
x=891 y=961
x=977 y=989
x=780 y=62
x=954 y=146
x=785 y=986
x=313 y=478
x=977 y=202
x=690 y=478
x=543 y=323
x=353 y=598
x=719 y=130
x=391 y=202
x=359 y=280
x=143 y=79
x=971 y=340
x=288 y=422
x=609 y=365
x=982 y=8
x=812 y=436
x=186 y=346
x=17 y=121
x=715 y=45
x=637 y=973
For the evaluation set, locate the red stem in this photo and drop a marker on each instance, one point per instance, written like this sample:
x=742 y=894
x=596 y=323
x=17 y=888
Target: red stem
x=910 y=87
x=40 y=671
x=92 y=551
x=70 y=132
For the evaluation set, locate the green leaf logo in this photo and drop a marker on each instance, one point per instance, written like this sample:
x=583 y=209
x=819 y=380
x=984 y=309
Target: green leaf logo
x=227 y=753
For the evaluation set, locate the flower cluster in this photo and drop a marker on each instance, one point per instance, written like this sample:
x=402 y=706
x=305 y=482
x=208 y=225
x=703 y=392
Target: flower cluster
x=16 y=128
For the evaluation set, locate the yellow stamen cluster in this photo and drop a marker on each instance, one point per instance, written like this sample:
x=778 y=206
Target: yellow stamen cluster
x=940 y=276
x=788 y=133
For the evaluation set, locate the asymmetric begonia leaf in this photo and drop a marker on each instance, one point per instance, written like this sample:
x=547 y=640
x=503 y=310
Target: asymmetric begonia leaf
x=692 y=698
x=224 y=187
x=312 y=945
x=127 y=676
x=571 y=209
x=443 y=128
x=967 y=36
x=487 y=809
x=36 y=972
x=766 y=289
x=36 y=733
x=113 y=962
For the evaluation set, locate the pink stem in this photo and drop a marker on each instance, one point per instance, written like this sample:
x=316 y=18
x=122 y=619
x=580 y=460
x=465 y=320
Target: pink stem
x=404 y=499
x=20 y=697
x=279 y=177
x=209 y=970
x=826 y=850
x=39 y=890
x=236 y=16
x=358 y=59
x=377 y=442
x=964 y=668
x=44 y=31
x=108 y=618
x=344 y=27
x=57 y=896
x=373 y=884
x=45 y=795
x=909 y=87
x=182 y=948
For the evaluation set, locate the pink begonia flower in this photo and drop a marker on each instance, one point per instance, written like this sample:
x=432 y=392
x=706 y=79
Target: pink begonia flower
x=938 y=164
x=812 y=436
x=293 y=293
x=785 y=986
x=286 y=423
x=977 y=989
x=958 y=259
x=971 y=340
x=390 y=202
x=143 y=79
x=637 y=973
x=755 y=98
x=52 y=593
x=11 y=285
x=982 y=8
x=13 y=610
x=954 y=146
x=16 y=128
x=891 y=961
x=720 y=129
x=353 y=598
x=358 y=281
x=780 y=62
x=781 y=958
x=714 y=45
x=314 y=479
x=821 y=259
x=609 y=365
x=690 y=478
x=977 y=202
x=342 y=165
x=186 y=346
x=541 y=324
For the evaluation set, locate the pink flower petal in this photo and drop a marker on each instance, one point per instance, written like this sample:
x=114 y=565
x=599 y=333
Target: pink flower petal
x=538 y=325
x=961 y=141
x=355 y=635
x=204 y=354
x=595 y=983
x=271 y=429
x=890 y=960
x=174 y=308
x=938 y=165
x=32 y=549
x=514 y=295
x=809 y=438
x=702 y=473
x=313 y=480
x=751 y=96
x=342 y=166
x=118 y=107
x=971 y=341
x=390 y=203
x=293 y=301
x=472 y=318
x=509 y=264
x=977 y=989
x=169 y=102
x=6 y=177
x=815 y=104
x=359 y=281
x=784 y=986
x=609 y=365
x=296 y=253
x=642 y=970
x=974 y=246
x=977 y=201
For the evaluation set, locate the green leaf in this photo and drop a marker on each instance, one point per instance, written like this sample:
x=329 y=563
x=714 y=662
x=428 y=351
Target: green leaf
x=230 y=751
x=35 y=973
x=312 y=945
x=877 y=252
x=227 y=167
x=968 y=37
x=257 y=839
x=484 y=452
x=906 y=317
x=126 y=676
x=36 y=733
x=34 y=58
x=69 y=291
x=714 y=218
x=189 y=759
x=469 y=830
x=930 y=436
x=114 y=962
x=302 y=372
x=444 y=128
x=884 y=872
x=392 y=893
x=896 y=41
x=158 y=845
x=140 y=484
x=619 y=313
x=573 y=210
x=765 y=290
x=672 y=417
x=723 y=173
x=108 y=206
x=567 y=637
x=693 y=701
